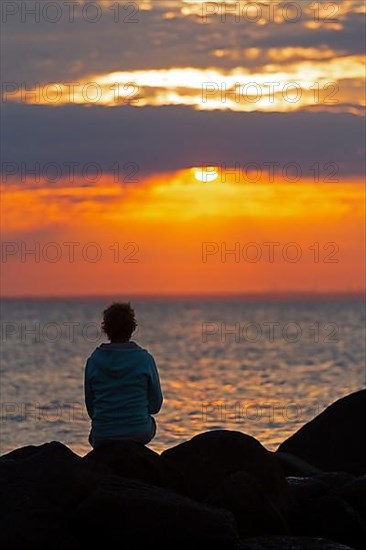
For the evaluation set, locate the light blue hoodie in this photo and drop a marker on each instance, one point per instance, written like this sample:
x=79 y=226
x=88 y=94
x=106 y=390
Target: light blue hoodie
x=122 y=390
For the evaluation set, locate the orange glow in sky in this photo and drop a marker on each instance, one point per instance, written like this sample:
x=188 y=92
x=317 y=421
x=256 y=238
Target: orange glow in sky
x=173 y=233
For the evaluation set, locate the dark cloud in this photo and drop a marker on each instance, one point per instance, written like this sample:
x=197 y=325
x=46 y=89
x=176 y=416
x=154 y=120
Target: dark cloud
x=351 y=39
x=170 y=138
x=63 y=51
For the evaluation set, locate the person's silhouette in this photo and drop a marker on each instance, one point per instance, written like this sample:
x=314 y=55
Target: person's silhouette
x=122 y=387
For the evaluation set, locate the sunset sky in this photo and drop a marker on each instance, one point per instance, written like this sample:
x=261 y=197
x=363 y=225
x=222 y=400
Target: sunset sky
x=182 y=147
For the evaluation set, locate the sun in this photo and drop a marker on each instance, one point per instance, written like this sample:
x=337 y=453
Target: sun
x=205 y=174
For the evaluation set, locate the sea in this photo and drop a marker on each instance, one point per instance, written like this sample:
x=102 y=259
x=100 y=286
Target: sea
x=260 y=366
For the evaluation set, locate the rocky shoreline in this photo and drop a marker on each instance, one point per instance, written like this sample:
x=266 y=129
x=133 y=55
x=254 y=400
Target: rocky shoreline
x=220 y=490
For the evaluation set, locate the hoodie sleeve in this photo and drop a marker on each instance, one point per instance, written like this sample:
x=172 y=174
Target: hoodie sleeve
x=155 y=395
x=88 y=390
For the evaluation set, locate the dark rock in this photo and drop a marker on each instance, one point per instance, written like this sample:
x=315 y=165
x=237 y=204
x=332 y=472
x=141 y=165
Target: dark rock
x=354 y=493
x=305 y=488
x=293 y=466
x=130 y=514
x=334 y=480
x=36 y=529
x=208 y=458
x=319 y=484
x=51 y=477
x=254 y=512
x=39 y=487
x=291 y=543
x=334 y=441
x=316 y=511
x=135 y=461
x=25 y=452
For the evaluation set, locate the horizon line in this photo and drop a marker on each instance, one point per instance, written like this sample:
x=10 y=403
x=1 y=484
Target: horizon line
x=249 y=296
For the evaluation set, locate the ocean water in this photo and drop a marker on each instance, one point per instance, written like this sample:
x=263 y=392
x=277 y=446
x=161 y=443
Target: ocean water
x=264 y=368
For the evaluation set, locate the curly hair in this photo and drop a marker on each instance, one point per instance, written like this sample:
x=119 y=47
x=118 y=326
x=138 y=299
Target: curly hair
x=119 y=321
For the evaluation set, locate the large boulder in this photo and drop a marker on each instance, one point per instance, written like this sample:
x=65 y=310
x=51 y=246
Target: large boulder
x=291 y=543
x=36 y=529
x=39 y=488
x=293 y=466
x=208 y=458
x=253 y=510
x=335 y=440
x=334 y=480
x=354 y=492
x=29 y=450
x=124 y=513
x=303 y=488
x=49 y=476
x=318 y=511
x=306 y=488
x=134 y=461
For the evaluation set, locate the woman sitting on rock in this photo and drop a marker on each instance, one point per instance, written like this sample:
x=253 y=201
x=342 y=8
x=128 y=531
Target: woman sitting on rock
x=122 y=387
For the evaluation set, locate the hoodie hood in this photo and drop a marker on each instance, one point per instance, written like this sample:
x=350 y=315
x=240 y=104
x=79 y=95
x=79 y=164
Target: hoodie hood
x=117 y=359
